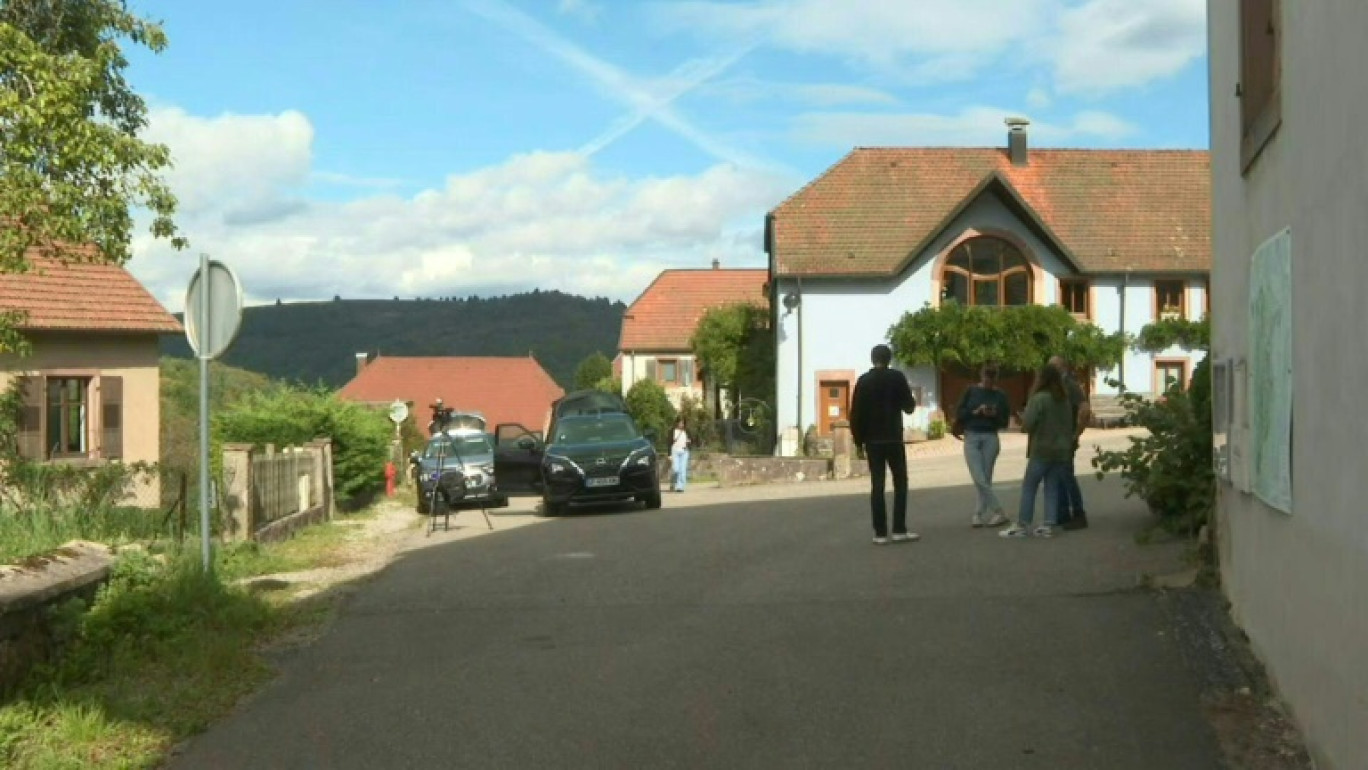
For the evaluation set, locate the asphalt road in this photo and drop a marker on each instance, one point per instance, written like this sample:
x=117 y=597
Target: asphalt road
x=722 y=632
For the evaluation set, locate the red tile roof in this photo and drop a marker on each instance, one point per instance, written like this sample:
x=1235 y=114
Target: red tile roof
x=504 y=390
x=83 y=296
x=877 y=208
x=665 y=315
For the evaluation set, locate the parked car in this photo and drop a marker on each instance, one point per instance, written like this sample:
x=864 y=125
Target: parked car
x=458 y=465
x=598 y=457
x=519 y=450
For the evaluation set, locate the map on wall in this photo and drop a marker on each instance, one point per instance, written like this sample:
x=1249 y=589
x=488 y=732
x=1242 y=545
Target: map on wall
x=1270 y=370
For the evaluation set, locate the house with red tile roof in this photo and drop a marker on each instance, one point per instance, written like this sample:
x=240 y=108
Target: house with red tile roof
x=657 y=327
x=91 y=384
x=504 y=390
x=1119 y=237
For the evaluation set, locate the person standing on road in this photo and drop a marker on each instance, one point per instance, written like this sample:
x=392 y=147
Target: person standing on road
x=983 y=411
x=679 y=455
x=881 y=398
x=1049 y=422
x=1071 y=514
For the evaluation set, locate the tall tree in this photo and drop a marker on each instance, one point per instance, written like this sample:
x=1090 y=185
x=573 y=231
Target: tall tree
x=735 y=350
x=72 y=164
x=593 y=369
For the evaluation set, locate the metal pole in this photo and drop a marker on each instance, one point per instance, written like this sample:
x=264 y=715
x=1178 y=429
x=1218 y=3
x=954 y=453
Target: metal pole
x=204 y=411
x=798 y=452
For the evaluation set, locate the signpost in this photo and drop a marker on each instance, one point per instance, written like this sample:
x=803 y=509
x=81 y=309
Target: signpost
x=213 y=314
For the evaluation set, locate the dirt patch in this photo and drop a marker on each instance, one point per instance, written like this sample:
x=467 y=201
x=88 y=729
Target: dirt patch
x=1251 y=725
x=1254 y=733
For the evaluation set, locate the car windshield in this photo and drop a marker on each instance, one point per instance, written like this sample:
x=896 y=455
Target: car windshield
x=596 y=430
x=466 y=445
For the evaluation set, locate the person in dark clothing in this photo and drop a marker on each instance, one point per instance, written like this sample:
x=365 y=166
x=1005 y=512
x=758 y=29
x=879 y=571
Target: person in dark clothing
x=1071 y=514
x=984 y=411
x=881 y=398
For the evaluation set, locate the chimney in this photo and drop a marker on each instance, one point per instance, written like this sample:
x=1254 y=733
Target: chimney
x=1016 y=140
x=361 y=360
x=716 y=264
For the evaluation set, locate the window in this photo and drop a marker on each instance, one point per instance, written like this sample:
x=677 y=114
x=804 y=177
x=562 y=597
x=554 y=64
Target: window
x=1169 y=375
x=64 y=417
x=1170 y=299
x=1259 y=90
x=1074 y=295
x=986 y=271
x=669 y=371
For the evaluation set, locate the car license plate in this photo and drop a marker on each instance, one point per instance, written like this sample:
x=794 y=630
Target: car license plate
x=608 y=481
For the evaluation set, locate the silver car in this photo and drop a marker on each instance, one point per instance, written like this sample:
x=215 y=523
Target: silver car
x=456 y=469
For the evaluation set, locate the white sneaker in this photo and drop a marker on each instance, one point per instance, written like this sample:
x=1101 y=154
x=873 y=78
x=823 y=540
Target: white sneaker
x=997 y=520
x=905 y=537
x=880 y=540
x=1043 y=531
x=976 y=522
x=1016 y=530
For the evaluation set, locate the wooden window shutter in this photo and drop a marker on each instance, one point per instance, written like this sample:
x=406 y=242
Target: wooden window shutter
x=650 y=368
x=30 y=428
x=111 y=417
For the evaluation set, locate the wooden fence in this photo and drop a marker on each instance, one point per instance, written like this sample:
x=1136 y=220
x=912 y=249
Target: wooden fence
x=270 y=493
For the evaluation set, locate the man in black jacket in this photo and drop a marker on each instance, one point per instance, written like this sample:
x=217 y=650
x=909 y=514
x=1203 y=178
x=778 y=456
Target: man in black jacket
x=881 y=398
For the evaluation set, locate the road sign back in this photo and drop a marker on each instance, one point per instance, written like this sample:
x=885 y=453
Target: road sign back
x=220 y=297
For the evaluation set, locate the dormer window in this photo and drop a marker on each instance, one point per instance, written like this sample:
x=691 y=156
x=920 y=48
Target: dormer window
x=1170 y=300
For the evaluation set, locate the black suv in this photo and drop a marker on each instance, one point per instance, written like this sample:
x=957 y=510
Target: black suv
x=528 y=464
x=598 y=458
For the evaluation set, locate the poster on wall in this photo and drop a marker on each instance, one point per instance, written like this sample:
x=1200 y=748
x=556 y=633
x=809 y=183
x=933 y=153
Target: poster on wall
x=1270 y=371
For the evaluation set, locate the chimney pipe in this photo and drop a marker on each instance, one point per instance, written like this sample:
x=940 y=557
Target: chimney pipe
x=1016 y=140
x=361 y=360
x=716 y=264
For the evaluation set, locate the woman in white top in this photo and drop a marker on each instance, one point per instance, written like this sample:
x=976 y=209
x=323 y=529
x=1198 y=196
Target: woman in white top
x=679 y=455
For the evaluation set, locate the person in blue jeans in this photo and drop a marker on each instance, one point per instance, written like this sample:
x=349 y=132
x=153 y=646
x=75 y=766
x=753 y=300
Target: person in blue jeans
x=679 y=455
x=1048 y=421
x=984 y=411
x=1071 y=514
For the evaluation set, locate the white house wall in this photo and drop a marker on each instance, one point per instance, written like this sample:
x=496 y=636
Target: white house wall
x=1139 y=305
x=1298 y=583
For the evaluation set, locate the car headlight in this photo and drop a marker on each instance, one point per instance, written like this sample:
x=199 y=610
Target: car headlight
x=642 y=457
x=555 y=464
x=488 y=469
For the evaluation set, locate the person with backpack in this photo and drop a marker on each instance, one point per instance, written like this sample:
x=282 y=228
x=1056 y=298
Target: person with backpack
x=983 y=411
x=680 y=441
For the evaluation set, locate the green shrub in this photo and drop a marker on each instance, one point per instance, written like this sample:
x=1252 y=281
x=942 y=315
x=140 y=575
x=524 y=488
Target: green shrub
x=1169 y=467
x=698 y=422
x=652 y=410
x=936 y=430
x=291 y=415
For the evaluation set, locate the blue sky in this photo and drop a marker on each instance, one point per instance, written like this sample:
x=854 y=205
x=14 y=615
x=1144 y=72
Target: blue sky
x=432 y=148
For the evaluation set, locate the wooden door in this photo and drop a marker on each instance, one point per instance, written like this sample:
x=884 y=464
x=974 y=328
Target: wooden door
x=833 y=404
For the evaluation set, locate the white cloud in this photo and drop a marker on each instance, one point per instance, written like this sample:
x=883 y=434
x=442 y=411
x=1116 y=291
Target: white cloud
x=973 y=127
x=1104 y=45
x=581 y=9
x=1087 y=46
x=543 y=219
x=752 y=89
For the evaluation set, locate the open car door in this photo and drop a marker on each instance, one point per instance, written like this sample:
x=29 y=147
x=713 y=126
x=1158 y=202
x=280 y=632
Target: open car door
x=517 y=459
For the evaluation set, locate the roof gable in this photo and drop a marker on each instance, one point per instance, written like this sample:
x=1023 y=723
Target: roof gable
x=665 y=315
x=1105 y=210
x=82 y=296
x=503 y=389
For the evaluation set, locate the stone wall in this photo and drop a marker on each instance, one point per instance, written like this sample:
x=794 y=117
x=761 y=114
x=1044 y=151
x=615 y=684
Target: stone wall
x=30 y=591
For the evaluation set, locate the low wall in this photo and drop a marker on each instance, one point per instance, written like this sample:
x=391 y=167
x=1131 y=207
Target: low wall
x=740 y=471
x=29 y=591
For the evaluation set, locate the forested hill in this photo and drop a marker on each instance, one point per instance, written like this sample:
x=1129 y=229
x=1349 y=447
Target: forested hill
x=314 y=342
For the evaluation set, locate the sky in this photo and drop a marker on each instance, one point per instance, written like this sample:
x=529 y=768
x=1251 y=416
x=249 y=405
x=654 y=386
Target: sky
x=434 y=148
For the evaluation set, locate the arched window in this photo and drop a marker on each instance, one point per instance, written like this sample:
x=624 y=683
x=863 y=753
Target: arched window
x=987 y=271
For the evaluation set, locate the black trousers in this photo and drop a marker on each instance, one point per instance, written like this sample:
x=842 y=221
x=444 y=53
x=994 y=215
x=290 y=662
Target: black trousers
x=893 y=457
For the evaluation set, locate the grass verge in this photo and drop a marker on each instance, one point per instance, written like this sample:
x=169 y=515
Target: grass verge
x=162 y=652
